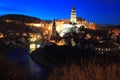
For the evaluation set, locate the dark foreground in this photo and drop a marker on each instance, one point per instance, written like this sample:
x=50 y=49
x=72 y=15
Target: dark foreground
x=63 y=62
x=76 y=63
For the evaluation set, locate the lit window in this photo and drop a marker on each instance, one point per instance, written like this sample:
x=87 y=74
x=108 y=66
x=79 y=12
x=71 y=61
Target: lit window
x=98 y=48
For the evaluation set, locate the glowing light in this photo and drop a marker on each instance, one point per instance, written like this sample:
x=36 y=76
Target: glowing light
x=73 y=42
x=78 y=25
x=88 y=36
x=49 y=28
x=38 y=45
x=101 y=41
x=67 y=26
x=109 y=49
x=38 y=36
x=101 y=52
x=98 y=48
x=102 y=49
x=8 y=20
x=33 y=37
x=106 y=49
x=64 y=31
x=46 y=32
x=37 y=25
x=1 y=35
x=62 y=42
x=32 y=47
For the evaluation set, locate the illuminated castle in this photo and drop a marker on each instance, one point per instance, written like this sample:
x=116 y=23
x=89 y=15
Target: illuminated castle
x=64 y=26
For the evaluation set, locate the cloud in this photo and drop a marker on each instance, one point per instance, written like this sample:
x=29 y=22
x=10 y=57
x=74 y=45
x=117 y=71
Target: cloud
x=10 y=9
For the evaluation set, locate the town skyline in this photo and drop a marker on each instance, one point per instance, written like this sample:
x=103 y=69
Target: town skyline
x=100 y=12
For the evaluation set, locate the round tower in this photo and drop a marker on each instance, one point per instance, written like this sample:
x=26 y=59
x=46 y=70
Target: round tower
x=73 y=17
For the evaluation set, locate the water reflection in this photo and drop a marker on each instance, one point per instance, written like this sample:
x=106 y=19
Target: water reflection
x=34 y=46
x=20 y=66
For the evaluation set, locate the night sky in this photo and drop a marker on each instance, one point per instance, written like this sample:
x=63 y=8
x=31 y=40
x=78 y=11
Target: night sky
x=98 y=11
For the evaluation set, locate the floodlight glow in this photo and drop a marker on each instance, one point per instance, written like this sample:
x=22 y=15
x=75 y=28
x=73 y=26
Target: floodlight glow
x=37 y=25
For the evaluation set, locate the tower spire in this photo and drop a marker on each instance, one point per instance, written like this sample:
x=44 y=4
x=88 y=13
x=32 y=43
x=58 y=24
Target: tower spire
x=53 y=29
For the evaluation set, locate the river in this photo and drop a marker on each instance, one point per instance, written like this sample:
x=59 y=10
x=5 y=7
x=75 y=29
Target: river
x=16 y=64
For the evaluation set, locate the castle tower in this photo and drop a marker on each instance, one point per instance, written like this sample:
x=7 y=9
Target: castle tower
x=73 y=18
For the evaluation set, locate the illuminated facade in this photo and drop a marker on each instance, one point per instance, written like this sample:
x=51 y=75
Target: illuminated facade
x=92 y=26
x=40 y=24
x=73 y=15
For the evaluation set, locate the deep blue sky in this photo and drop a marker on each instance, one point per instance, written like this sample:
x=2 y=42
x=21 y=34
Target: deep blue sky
x=98 y=11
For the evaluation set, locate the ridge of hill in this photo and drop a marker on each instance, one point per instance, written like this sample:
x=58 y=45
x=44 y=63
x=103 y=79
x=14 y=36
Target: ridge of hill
x=20 y=17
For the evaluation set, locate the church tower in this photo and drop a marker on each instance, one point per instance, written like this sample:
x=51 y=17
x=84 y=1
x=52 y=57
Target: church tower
x=73 y=18
x=54 y=30
x=54 y=35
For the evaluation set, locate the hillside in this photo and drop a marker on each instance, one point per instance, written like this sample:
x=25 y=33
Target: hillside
x=19 y=17
x=16 y=23
x=15 y=27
